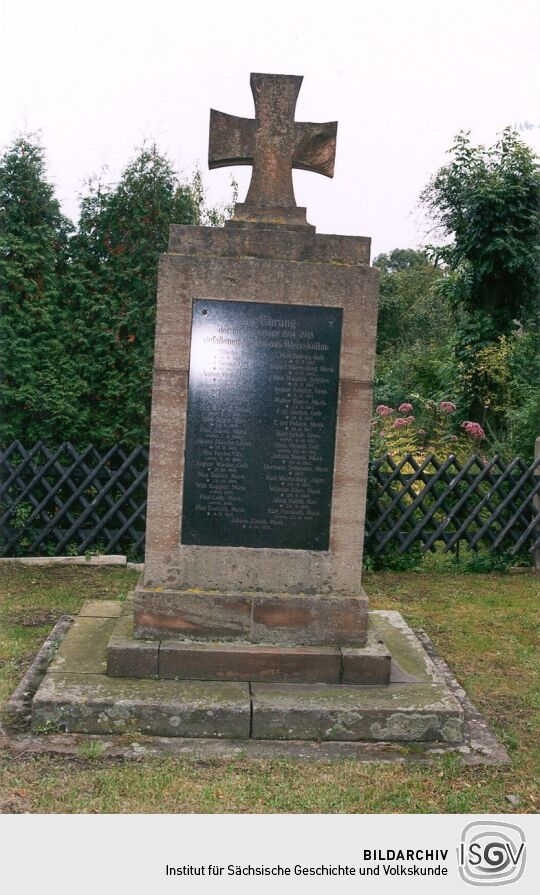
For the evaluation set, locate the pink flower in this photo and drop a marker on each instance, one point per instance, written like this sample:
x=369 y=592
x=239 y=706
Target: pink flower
x=400 y=422
x=410 y=419
x=453 y=438
x=383 y=410
x=474 y=430
x=405 y=407
x=447 y=406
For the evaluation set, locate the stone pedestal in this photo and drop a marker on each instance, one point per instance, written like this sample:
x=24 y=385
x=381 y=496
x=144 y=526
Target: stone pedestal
x=82 y=692
x=260 y=594
x=242 y=660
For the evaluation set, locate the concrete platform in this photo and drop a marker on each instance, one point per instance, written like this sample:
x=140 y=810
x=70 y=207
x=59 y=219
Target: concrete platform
x=77 y=696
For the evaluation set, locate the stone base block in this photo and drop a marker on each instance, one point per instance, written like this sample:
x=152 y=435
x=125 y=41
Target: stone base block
x=278 y=215
x=286 y=619
x=415 y=712
x=77 y=696
x=127 y=657
x=243 y=661
x=248 y=662
x=78 y=703
x=370 y=664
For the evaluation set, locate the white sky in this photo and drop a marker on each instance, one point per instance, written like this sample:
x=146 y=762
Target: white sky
x=98 y=78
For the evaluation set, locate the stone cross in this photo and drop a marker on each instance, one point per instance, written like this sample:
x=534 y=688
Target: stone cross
x=273 y=143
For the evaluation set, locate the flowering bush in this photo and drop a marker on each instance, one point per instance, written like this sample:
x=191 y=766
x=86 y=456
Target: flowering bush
x=400 y=422
x=431 y=429
x=447 y=406
x=474 y=430
x=383 y=410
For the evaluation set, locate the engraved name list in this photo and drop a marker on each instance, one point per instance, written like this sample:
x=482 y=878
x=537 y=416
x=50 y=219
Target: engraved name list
x=261 y=419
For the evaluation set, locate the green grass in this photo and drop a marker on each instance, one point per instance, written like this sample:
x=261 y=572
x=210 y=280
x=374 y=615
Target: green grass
x=483 y=625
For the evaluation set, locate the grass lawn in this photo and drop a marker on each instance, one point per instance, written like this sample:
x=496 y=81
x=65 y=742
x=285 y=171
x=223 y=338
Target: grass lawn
x=485 y=626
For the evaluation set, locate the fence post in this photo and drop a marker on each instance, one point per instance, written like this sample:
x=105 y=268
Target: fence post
x=536 y=501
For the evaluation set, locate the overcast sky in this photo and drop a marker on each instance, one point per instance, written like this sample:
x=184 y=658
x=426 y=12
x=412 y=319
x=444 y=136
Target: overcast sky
x=97 y=79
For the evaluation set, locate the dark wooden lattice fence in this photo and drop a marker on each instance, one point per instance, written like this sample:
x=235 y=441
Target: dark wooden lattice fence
x=482 y=503
x=72 y=502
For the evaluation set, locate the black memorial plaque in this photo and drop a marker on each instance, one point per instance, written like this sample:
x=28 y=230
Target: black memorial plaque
x=261 y=421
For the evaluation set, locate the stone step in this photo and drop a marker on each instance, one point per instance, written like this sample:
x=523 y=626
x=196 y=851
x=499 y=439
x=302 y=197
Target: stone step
x=400 y=712
x=194 y=660
x=78 y=696
x=95 y=703
x=248 y=662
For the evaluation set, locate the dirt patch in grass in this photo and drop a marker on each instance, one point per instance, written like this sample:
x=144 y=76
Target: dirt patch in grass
x=40 y=620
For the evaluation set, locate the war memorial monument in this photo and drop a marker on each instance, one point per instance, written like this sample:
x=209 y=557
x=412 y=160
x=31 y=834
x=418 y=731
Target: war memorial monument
x=250 y=621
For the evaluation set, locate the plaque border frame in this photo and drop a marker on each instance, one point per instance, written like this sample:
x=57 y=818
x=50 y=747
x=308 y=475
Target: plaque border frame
x=182 y=278
x=332 y=443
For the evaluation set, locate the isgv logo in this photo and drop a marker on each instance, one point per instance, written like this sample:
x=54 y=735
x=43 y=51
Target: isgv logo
x=491 y=854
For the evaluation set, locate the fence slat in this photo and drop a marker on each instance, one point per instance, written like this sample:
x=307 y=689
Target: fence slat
x=485 y=500
x=414 y=535
x=416 y=502
x=57 y=499
x=514 y=518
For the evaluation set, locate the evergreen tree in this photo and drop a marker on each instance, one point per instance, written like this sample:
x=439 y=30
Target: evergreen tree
x=122 y=231
x=40 y=384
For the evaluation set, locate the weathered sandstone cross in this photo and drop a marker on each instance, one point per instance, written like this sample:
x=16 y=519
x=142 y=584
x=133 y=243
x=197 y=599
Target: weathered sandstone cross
x=273 y=143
